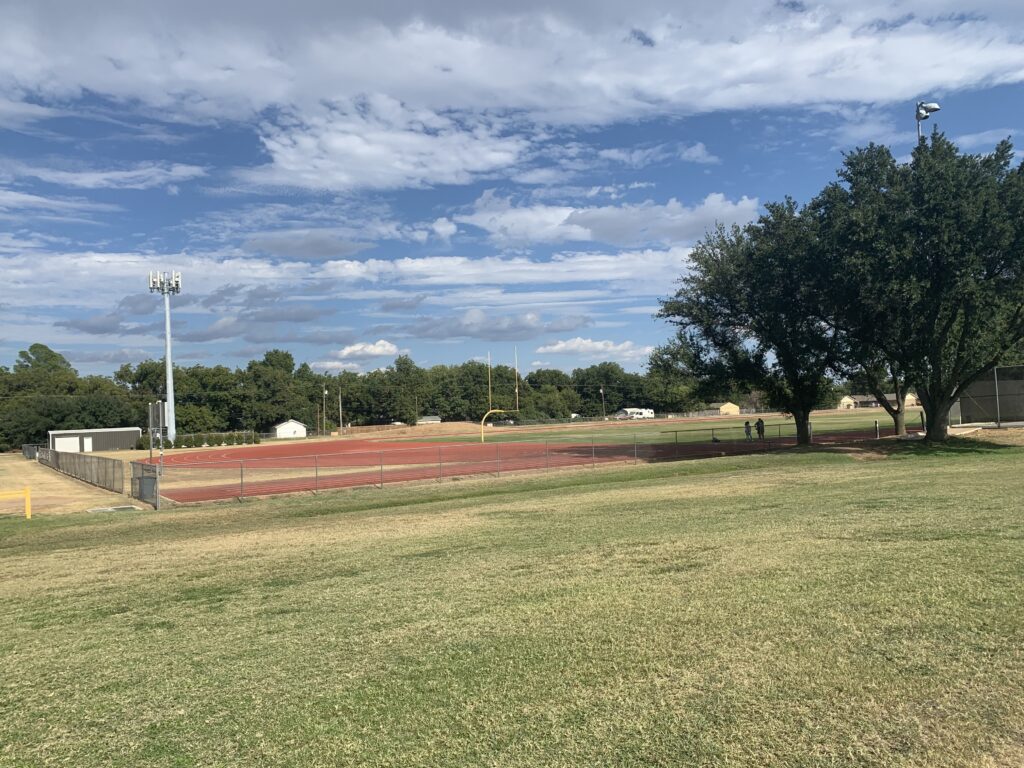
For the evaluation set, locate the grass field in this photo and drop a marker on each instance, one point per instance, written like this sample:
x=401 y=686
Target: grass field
x=682 y=430
x=846 y=608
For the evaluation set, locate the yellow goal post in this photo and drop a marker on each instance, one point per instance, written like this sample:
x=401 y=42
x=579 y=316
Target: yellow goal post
x=26 y=494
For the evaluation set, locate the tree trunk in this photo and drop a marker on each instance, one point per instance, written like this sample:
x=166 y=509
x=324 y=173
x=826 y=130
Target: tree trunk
x=897 y=410
x=803 y=431
x=936 y=414
x=899 y=420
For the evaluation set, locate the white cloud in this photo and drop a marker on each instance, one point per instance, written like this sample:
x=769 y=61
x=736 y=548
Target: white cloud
x=984 y=141
x=628 y=224
x=336 y=365
x=380 y=143
x=400 y=96
x=144 y=176
x=641 y=157
x=655 y=266
x=478 y=323
x=603 y=349
x=11 y=200
x=698 y=153
x=16 y=114
x=444 y=228
x=362 y=350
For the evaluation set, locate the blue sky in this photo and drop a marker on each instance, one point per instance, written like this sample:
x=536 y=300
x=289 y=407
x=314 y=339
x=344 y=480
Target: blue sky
x=351 y=184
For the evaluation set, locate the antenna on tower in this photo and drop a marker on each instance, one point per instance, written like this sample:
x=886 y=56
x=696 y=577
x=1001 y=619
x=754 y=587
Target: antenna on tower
x=166 y=284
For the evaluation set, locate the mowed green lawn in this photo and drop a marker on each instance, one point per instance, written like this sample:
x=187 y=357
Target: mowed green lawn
x=679 y=430
x=792 y=609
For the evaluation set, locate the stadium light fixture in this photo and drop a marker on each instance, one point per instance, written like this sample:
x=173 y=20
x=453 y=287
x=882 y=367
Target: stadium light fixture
x=925 y=109
x=167 y=283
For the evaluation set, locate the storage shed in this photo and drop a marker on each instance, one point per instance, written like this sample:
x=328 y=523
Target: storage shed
x=290 y=429
x=726 y=409
x=428 y=420
x=88 y=440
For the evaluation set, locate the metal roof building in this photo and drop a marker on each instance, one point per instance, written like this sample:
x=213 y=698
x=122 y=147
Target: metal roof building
x=88 y=440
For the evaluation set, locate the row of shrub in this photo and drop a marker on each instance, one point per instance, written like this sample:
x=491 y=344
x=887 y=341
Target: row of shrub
x=202 y=440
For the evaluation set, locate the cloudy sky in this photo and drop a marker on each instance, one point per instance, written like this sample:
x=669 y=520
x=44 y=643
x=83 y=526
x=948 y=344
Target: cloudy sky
x=354 y=184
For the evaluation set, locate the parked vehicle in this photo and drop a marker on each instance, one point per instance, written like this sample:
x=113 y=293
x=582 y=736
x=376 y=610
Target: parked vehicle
x=634 y=413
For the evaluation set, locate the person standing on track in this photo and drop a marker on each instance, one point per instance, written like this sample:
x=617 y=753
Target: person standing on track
x=746 y=430
x=759 y=426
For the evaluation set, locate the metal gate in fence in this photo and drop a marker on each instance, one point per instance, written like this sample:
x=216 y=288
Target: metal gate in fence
x=146 y=483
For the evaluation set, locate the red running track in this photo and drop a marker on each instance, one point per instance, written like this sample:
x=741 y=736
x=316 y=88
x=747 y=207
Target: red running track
x=376 y=463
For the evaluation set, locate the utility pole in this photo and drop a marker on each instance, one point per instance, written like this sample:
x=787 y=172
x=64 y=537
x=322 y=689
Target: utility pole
x=167 y=283
x=341 y=415
x=604 y=416
x=517 y=377
x=325 y=411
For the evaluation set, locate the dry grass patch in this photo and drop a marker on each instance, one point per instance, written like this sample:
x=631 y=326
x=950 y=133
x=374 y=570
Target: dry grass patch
x=52 y=492
x=793 y=609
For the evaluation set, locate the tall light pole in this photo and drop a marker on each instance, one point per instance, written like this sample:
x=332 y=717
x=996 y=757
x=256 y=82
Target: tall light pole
x=167 y=283
x=325 y=411
x=925 y=109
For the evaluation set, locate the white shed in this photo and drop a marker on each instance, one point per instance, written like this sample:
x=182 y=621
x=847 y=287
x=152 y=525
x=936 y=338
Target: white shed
x=289 y=429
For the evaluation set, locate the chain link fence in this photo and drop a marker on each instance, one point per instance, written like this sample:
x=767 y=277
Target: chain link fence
x=995 y=398
x=95 y=470
x=190 y=479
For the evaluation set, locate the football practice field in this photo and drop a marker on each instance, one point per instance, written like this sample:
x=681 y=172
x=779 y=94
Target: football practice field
x=844 y=606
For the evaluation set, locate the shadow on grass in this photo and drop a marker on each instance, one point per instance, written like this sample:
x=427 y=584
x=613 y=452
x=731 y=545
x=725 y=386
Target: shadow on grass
x=893 y=448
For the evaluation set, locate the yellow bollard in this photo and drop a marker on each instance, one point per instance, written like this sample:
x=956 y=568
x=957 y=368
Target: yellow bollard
x=26 y=494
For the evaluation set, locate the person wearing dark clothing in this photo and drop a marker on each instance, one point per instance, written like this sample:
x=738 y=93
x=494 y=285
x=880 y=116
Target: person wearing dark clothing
x=746 y=430
x=759 y=426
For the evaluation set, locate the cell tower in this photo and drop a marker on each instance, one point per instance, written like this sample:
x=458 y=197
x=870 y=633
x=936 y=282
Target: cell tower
x=167 y=283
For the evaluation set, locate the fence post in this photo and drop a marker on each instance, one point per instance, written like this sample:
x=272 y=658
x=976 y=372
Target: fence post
x=497 y=451
x=877 y=433
x=675 y=451
x=995 y=378
x=382 y=470
x=547 y=460
x=316 y=473
x=634 y=451
x=241 y=479
x=440 y=472
x=593 y=456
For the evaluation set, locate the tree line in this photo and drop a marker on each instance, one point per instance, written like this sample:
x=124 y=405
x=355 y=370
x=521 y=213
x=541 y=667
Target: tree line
x=42 y=391
x=896 y=277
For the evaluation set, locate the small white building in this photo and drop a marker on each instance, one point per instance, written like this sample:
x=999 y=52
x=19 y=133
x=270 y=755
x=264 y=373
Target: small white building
x=428 y=420
x=290 y=429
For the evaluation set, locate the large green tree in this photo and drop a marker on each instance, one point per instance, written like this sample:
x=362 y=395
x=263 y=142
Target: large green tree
x=924 y=264
x=745 y=313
